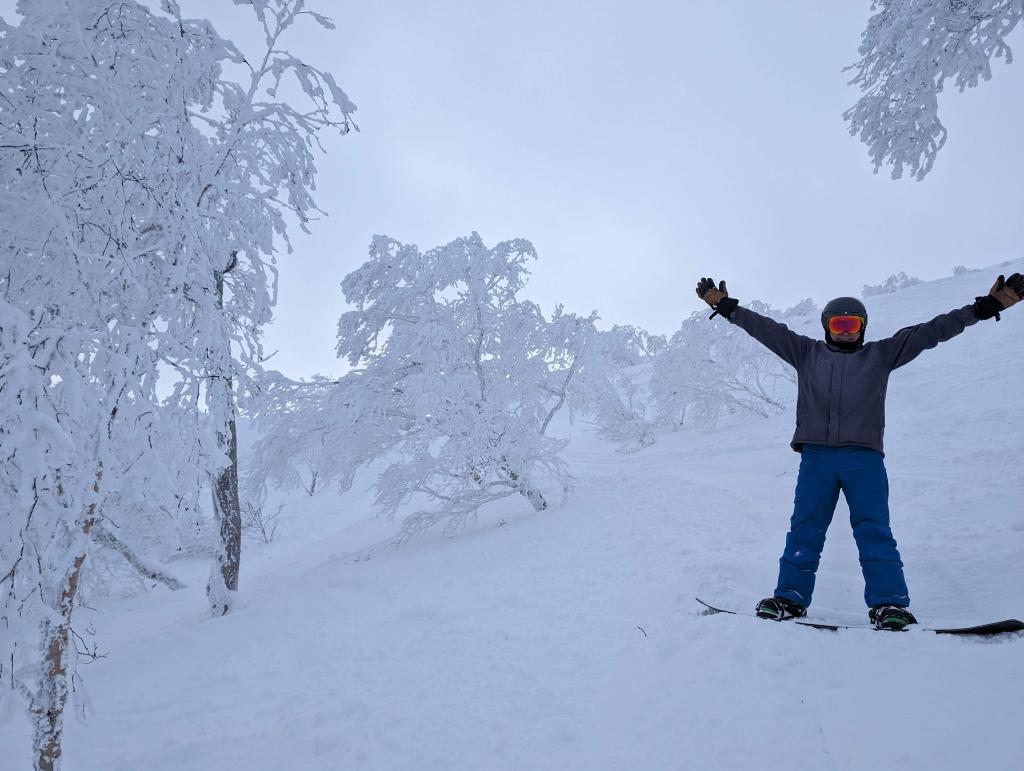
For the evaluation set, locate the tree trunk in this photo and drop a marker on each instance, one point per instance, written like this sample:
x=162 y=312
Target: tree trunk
x=52 y=693
x=533 y=495
x=528 y=491
x=226 y=505
x=311 y=489
x=146 y=568
x=227 y=508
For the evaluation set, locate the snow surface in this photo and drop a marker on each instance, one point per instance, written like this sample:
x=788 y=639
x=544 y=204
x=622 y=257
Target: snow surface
x=570 y=639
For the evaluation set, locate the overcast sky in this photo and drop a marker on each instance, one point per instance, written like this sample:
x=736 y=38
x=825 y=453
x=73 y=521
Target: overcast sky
x=639 y=145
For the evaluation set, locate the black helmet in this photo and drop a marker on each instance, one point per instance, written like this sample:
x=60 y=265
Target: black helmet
x=843 y=306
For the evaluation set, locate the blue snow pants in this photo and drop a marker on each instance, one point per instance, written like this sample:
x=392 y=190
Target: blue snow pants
x=860 y=473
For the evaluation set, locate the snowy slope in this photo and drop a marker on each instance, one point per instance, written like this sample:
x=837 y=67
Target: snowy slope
x=570 y=639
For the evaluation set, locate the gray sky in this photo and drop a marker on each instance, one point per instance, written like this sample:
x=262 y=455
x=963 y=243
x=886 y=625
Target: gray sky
x=639 y=146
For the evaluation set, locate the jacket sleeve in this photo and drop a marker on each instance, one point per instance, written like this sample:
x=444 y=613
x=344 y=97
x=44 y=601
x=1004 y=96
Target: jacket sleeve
x=910 y=342
x=777 y=338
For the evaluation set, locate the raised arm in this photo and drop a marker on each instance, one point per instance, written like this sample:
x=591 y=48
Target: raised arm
x=777 y=338
x=910 y=342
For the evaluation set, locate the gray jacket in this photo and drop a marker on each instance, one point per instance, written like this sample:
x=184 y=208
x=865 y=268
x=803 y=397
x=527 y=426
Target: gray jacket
x=841 y=394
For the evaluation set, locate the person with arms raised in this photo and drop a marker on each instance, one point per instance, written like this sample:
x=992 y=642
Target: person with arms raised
x=840 y=420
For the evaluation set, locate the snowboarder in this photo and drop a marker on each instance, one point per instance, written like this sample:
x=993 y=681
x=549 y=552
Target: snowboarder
x=840 y=417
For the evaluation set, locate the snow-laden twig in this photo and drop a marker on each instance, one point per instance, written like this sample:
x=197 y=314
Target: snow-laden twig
x=909 y=50
x=147 y=568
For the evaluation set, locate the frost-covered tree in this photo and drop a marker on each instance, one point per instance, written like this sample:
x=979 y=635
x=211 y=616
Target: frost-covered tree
x=908 y=51
x=616 y=401
x=710 y=369
x=137 y=176
x=631 y=345
x=252 y=164
x=894 y=283
x=81 y=291
x=455 y=385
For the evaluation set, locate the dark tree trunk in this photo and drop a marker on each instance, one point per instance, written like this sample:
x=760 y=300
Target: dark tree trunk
x=226 y=505
x=227 y=509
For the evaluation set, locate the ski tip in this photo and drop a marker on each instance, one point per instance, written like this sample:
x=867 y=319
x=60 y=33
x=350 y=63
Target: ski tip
x=996 y=627
x=710 y=609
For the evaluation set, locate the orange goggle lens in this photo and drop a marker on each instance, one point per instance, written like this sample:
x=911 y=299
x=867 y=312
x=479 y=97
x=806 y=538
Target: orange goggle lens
x=839 y=325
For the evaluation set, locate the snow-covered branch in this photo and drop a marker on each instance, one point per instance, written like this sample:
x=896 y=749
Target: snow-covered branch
x=710 y=369
x=909 y=51
x=146 y=568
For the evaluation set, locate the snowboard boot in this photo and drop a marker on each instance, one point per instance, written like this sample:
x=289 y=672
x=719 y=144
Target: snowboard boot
x=893 y=618
x=779 y=609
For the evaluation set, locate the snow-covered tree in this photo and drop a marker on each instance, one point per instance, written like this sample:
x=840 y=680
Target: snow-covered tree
x=455 y=384
x=137 y=176
x=711 y=368
x=908 y=51
x=894 y=283
x=615 y=401
x=81 y=291
x=252 y=166
x=631 y=345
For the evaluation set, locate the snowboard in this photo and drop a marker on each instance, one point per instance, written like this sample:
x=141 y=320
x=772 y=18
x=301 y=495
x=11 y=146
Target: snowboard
x=995 y=627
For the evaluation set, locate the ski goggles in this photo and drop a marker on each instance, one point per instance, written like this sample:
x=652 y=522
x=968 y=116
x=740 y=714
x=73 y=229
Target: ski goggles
x=850 y=325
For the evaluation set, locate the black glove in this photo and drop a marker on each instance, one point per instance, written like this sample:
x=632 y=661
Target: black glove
x=717 y=297
x=1016 y=283
x=986 y=307
x=706 y=285
x=1003 y=294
